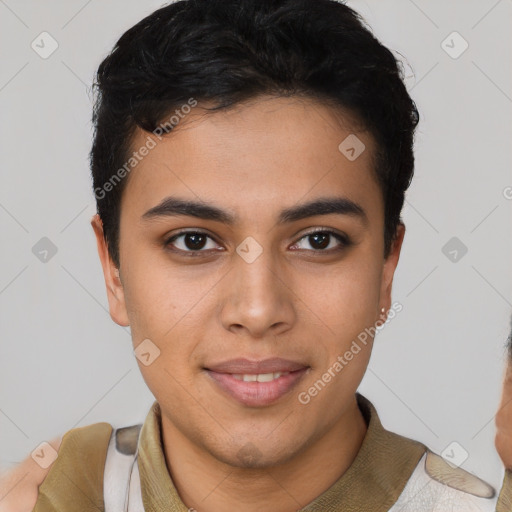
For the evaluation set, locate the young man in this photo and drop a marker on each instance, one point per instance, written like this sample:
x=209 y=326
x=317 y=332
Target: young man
x=250 y=162
x=504 y=433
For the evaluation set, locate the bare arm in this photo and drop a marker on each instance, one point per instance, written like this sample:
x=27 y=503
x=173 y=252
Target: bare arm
x=19 y=486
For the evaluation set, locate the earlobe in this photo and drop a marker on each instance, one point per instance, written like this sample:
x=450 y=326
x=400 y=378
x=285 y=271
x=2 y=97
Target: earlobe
x=111 y=274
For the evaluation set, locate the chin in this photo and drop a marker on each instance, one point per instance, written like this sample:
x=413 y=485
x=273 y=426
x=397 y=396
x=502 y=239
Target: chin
x=251 y=456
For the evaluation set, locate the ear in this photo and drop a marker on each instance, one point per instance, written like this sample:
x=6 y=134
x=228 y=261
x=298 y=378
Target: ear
x=115 y=291
x=388 y=271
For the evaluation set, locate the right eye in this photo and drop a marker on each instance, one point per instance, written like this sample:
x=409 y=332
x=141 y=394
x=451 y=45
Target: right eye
x=190 y=242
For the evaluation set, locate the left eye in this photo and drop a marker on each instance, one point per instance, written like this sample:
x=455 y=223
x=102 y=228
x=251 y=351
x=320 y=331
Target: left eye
x=322 y=240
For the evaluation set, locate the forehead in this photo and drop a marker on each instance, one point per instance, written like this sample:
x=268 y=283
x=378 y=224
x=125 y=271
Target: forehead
x=267 y=153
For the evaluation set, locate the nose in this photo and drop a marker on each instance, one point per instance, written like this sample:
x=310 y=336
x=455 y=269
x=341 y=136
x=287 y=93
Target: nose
x=257 y=298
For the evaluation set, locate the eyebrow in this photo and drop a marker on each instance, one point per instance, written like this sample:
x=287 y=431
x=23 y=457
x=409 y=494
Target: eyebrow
x=174 y=206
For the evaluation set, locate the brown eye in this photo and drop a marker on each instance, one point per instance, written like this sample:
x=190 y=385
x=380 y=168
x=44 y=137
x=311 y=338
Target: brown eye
x=191 y=241
x=319 y=241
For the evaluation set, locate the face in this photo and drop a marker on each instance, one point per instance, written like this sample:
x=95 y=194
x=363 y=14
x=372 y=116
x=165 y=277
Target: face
x=251 y=246
x=504 y=420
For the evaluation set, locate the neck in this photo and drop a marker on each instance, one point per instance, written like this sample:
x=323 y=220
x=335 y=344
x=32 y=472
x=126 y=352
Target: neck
x=206 y=484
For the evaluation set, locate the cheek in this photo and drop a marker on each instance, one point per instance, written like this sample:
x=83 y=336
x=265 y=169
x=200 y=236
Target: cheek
x=145 y=304
x=503 y=439
x=346 y=297
x=157 y=297
x=504 y=414
x=168 y=310
x=346 y=304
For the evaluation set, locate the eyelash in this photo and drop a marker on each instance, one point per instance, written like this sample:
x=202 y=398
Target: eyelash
x=345 y=242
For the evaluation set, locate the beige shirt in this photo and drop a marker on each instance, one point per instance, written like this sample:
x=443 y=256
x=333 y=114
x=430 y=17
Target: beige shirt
x=387 y=468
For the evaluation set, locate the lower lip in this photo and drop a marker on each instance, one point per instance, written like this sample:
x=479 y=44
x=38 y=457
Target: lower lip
x=257 y=394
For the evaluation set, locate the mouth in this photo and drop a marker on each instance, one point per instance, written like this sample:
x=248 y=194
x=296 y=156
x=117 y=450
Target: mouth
x=256 y=383
x=260 y=377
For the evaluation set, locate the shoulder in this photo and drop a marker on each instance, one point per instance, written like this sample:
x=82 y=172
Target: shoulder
x=437 y=486
x=19 y=485
x=505 y=497
x=74 y=478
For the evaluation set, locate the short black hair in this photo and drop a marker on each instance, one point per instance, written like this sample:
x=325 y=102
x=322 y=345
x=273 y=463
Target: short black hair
x=230 y=51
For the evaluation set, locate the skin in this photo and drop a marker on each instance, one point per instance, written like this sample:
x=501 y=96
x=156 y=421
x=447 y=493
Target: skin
x=291 y=302
x=285 y=303
x=19 y=486
x=503 y=439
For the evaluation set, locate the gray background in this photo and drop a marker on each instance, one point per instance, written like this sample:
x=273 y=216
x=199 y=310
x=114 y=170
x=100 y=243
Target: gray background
x=436 y=370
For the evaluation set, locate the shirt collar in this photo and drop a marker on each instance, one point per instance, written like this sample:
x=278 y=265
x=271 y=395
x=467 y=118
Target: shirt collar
x=373 y=482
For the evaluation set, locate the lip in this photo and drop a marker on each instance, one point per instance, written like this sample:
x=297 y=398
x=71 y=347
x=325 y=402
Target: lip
x=256 y=394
